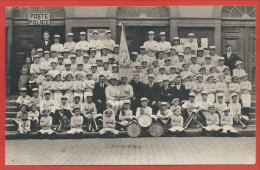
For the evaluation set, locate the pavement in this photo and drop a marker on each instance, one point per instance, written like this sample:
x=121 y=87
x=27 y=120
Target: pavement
x=131 y=151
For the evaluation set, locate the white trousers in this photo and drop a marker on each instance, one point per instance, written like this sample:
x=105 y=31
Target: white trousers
x=176 y=128
x=74 y=131
x=104 y=130
x=246 y=100
x=48 y=131
x=212 y=97
x=228 y=127
x=212 y=127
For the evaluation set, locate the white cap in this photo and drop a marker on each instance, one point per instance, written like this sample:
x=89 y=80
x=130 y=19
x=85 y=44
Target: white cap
x=193 y=56
x=114 y=65
x=134 y=53
x=164 y=103
x=36 y=56
x=204 y=92
x=116 y=46
x=191 y=34
x=162 y=33
x=211 y=106
x=219 y=95
x=150 y=32
x=176 y=38
x=67 y=62
x=127 y=101
x=35 y=89
x=200 y=49
x=107 y=31
x=142 y=47
x=46 y=52
x=70 y=34
x=39 y=50
x=23 y=89
x=208 y=56
x=181 y=54
x=56 y=36
x=151 y=75
x=175 y=99
x=82 y=33
x=93 y=49
x=226 y=109
x=238 y=62
x=161 y=67
x=212 y=47
x=47 y=92
x=233 y=94
x=88 y=94
x=95 y=31
x=144 y=99
x=221 y=58
x=192 y=94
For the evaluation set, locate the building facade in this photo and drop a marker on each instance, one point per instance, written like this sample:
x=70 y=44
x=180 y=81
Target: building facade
x=220 y=25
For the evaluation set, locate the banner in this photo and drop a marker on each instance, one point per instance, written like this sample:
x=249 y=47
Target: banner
x=39 y=19
x=124 y=58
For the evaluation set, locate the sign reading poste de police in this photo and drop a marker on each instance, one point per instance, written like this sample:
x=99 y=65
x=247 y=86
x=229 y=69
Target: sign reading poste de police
x=39 y=19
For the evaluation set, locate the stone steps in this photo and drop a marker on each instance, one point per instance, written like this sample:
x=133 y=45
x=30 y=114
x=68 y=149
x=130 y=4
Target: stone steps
x=249 y=132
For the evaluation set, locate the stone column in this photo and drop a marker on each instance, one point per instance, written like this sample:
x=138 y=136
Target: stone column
x=217 y=38
x=173 y=29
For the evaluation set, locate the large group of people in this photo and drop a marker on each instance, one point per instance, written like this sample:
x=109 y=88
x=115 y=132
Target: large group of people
x=88 y=83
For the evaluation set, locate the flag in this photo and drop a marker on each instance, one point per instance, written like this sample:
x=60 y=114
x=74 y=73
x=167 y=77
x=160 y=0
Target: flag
x=124 y=58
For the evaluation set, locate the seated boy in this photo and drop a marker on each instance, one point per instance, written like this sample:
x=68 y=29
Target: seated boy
x=46 y=123
x=109 y=123
x=212 y=121
x=177 y=122
x=227 y=122
x=125 y=115
x=76 y=123
x=21 y=122
x=23 y=98
x=90 y=113
x=164 y=115
x=33 y=116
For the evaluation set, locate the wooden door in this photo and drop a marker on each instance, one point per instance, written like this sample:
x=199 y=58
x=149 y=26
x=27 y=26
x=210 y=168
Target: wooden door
x=251 y=69
x=20 y=42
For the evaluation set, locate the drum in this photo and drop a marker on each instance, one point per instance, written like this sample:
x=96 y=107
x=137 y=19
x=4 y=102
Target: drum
x=144 y=120
x=133 y=130
x=156 y=130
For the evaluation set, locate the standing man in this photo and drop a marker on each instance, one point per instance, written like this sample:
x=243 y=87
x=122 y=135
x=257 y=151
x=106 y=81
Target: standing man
x=57 y=46
x=164 y=45
x=231 y=58
x=70 y=44
x=193 y=45
x=45 y=44
x=82 y=44
x=99 y=95
x=214 y=56
x=108 y=42
x=151 y=46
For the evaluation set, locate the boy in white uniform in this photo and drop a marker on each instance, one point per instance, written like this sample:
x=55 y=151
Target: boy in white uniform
x=126 y=115
x=143 y=56
x=151 y=46
x=23 y=98
x=70 y=44
x=177 y=122
x=76 y=123
x=227 y=122
x=238 y=70
x=246 y=88
x=164 y=115
x=109 y=123
x=108 y=42
x=57 y=46
x=212 y=121
x=82 y=44
x=164 y=45
x=46 y=123
x=214 y=56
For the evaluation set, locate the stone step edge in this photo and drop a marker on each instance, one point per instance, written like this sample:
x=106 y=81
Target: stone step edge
x=122 y=134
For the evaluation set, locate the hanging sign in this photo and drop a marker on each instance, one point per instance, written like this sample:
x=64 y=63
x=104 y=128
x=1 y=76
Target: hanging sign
x=39 y=19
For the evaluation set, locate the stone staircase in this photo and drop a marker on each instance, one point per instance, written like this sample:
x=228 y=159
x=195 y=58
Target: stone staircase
x=11 y=133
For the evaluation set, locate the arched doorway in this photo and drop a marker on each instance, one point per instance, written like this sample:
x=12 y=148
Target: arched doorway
x=238 y=30
x=24 y=35
x=140 y=20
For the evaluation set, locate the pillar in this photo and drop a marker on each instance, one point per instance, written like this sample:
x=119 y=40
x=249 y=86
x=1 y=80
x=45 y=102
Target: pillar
x=217 y=38
x=173 y=29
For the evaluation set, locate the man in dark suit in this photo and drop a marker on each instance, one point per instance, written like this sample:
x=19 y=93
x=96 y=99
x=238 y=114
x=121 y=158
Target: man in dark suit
x=45 y=44
x=153 y=93
x=166 y=92
x=179 y=91
x=230 y=58
x=99 y=95
x=138 y=88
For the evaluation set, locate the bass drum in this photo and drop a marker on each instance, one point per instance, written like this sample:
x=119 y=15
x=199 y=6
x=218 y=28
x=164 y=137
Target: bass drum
x=156 y=130
x=144 y=121
x=133 y=130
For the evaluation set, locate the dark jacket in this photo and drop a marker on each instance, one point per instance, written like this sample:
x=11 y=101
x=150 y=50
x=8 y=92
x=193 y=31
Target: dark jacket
x=138 y=89
x=230 y=62
x=99 y=93
x=152 y=93
x=45 y=47
x=182 y=93
x=166 y=94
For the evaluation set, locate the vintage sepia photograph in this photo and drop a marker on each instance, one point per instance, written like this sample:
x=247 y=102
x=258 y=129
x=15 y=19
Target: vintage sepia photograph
x=130 y=85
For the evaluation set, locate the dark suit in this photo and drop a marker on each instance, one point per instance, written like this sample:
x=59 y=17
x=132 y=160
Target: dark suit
x=138 y=89
x=181 y=94
x=153 y=93
x=44 y=46
x=230 y=62
x=99 y=94
x=166 y=94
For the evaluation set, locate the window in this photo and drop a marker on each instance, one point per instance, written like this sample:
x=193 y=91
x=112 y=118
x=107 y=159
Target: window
x=244 y=12
x=55 y=12
x=143 y=12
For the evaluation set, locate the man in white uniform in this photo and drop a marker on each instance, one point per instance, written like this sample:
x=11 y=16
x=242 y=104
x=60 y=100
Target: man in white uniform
x=151 y=46
x=57 y=46
x=164 y=45
x=82 y=44
x=70 y=44
x=192 y=43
